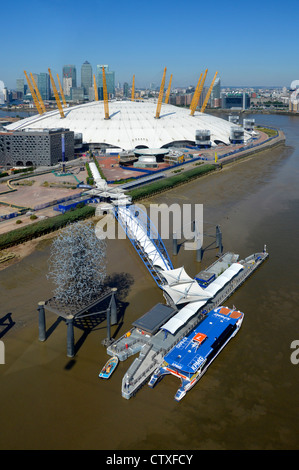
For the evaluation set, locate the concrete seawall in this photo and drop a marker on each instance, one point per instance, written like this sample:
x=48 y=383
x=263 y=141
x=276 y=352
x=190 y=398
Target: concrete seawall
x=274 y=142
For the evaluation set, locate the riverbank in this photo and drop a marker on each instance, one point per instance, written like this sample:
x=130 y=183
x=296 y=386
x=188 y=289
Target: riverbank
x=19 y=252
x=284 y=112
x=189 y=173
x=281 y=112
x=16 y=252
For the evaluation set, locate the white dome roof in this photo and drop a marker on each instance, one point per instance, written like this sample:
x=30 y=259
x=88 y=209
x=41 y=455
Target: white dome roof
x=131 y=123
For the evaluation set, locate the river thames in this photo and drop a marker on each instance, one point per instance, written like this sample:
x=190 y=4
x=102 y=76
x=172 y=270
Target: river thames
x=248 y=398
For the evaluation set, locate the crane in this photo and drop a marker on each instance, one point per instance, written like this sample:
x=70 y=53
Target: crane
x=208 y=94
x=133 y=89
x=196 y=98
x=33 y=94
x=96 y=95
x=38 y=95
x=158 y=110
x=168 y=90
x=106 y=107
x=61 y=91
x=56 y=95
x=195 y=92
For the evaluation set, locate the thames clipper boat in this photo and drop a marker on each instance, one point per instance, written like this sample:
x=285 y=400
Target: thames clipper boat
x=191 y=357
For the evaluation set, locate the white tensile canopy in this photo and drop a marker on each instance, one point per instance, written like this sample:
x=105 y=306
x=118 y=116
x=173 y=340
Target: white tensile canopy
x=198 y=297
x=178 y=320
x=176 y=276
x=224 y=278
x=186 y=292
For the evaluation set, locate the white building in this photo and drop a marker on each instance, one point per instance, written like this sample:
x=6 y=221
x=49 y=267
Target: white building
x=132 y=124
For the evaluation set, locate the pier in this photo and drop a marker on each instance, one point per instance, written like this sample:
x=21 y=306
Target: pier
x=187 y=300
x=153 y=347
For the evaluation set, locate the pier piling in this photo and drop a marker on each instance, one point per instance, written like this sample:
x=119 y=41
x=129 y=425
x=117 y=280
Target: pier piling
x=174 y=244
x=199 y=251
x=219 y=240
x=113 y=308
x=108 y=324
x=218 y=236
x=41 y=321
x=70 y=336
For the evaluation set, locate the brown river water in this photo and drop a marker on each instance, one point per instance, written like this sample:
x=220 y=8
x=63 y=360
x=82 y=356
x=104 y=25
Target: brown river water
x=248 y=399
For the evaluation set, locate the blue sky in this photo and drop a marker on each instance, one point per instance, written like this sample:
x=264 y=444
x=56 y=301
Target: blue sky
x=249 y=43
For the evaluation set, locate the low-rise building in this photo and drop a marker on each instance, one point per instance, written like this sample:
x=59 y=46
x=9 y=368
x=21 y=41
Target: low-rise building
x=35 y=147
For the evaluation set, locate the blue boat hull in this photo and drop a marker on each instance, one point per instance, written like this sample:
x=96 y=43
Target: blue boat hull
x=109 y=368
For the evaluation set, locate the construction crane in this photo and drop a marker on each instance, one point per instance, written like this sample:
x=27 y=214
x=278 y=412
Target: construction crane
x=96 y=95
x=56 y=95
x=195 y=92
x=208 y=94
x=158 y=110
x=38 y=95
x=61 y=91
x=39 y=109
x=198 y=93
x=133 y=89
x=106 y=107
x=168 y=90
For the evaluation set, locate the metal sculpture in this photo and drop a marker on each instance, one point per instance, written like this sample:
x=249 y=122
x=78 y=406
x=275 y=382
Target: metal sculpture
x=77 y=265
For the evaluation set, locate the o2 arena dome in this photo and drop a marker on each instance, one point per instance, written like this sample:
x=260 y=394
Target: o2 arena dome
x=132 y=124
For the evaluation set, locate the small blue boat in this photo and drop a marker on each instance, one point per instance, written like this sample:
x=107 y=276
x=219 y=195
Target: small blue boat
x=109 y=368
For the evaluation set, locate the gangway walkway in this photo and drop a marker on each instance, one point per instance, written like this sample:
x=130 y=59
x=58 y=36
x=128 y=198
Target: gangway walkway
x=145 y=239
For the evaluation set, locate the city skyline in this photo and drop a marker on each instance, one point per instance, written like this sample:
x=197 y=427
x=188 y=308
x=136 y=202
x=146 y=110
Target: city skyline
x=248 y=45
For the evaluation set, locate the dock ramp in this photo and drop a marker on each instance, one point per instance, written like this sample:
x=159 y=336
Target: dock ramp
x=145 y=239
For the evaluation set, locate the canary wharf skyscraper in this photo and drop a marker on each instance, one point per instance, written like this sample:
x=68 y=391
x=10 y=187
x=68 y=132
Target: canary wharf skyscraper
x=86 y=77
x=43 y=83
x=110 y=79
x=69 y=79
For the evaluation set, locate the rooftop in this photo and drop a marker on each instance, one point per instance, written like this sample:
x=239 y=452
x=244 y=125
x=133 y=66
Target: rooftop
x=192 y=350
x=132 y=124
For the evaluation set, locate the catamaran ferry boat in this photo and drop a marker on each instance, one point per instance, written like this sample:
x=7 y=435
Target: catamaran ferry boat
x=191 y=357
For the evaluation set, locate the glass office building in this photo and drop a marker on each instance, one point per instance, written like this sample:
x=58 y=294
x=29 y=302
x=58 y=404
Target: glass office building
x=86 y=77
x=21 y=86
x=69 y=79
x=235 y=100
x=215 y=93
x=110 y=79
x=77 y=94
x=43 y=83
x=126 y=89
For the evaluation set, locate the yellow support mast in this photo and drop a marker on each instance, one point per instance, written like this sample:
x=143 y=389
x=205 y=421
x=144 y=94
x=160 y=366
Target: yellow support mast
x=106 y=107
x=195 y=92
x=196 y=98
x=158 y=110
x=133 y=89
x=56 y=95
x=38 y=95
x=96 y=95
x=39 y=109
x=168 y=90
x=208 y=94
x=61 y=91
